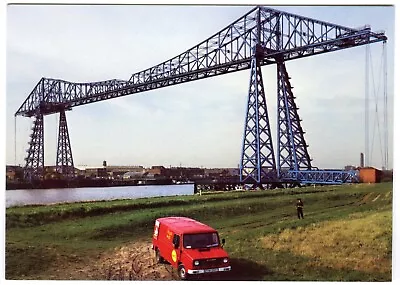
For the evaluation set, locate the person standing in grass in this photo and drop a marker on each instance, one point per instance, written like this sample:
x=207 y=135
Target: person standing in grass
x=299 y=206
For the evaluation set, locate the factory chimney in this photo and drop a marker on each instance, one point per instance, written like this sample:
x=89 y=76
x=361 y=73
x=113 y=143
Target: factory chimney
x=361 y=160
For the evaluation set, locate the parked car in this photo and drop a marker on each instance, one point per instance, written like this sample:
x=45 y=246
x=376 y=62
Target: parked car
x=189 y=246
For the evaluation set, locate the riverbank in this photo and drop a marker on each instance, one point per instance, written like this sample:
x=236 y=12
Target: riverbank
x=82 y=182
x=15 y=198
x=265 y=239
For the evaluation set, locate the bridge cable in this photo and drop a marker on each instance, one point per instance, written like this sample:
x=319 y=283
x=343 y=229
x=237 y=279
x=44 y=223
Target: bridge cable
x=371 y=70
x=56 y=121
x=366 y=102
x=15 y=140
x=385 y=111
x=376 y=89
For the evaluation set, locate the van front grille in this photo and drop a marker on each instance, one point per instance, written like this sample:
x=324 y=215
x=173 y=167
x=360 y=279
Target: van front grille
x=211 y=262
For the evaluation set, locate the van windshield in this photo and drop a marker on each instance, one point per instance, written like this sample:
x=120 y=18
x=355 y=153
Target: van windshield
x=202 y=240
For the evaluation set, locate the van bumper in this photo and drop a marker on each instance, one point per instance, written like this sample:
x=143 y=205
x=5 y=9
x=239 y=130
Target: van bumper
x=211 y=270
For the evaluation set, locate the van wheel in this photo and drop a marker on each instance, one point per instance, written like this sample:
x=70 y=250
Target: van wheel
x=182 y=272
x=157 y=256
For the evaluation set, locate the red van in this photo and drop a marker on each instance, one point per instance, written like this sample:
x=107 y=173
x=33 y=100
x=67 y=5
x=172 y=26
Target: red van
x=189 y=246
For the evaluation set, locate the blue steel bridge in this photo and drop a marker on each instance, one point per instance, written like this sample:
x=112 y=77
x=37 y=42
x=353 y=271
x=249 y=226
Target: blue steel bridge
x=263 y=36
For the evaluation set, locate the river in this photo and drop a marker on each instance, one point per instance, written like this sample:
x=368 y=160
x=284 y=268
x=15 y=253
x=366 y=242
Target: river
x=68 y=195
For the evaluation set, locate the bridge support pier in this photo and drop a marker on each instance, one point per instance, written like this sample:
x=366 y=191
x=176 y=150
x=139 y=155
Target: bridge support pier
x=64 y=162
x=292 y=153
x=257 y=162
x=34 y=167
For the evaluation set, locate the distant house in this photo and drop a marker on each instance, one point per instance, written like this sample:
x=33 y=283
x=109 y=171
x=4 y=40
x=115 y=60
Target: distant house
x=96 y=172
x=118 y=171
x=10 y=174
x=133 y=175
x=350 y=167
x=14 y=173
x=216 y=172
x=370 y=175
x=234 y=171
x=157 y=170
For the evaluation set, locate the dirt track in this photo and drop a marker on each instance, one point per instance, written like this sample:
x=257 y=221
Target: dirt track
x=135 y=261
x=132 y=262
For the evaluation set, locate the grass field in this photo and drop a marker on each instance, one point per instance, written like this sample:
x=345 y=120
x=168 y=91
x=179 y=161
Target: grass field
x=346 y=234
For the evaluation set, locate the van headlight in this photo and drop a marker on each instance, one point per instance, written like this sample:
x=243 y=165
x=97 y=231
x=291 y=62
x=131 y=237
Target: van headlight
x=225 y=260
x=196 y=263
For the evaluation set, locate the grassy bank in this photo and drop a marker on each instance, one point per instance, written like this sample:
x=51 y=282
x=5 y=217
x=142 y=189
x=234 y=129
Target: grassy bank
x=347 y=229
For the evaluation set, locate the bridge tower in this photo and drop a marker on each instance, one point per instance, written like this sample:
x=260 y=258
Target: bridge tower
x=257 y=164
x=34 y=167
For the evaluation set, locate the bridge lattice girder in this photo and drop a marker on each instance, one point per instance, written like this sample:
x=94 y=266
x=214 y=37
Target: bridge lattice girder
x=292 y=147
x=268 y=32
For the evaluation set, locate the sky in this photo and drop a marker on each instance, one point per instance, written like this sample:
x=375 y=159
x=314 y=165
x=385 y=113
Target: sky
x=196 y=124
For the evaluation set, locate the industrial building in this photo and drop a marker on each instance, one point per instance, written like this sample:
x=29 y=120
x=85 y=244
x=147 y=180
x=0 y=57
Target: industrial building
x=370 y=175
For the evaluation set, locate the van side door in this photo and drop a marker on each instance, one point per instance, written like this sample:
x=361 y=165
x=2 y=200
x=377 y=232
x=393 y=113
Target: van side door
x=176 y=249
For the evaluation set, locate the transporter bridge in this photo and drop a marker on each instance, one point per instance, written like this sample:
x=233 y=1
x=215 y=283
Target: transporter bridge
x=263 y=36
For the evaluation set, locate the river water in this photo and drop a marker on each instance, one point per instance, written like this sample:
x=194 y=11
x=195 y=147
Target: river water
x=68 y=195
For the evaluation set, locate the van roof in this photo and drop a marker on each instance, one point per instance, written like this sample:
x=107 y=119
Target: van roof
x=181 y=225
